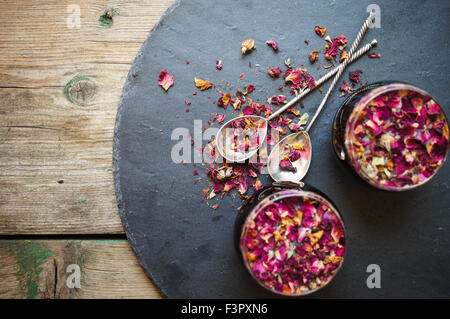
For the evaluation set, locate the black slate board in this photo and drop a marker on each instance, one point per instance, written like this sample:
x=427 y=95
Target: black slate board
x=187 y=248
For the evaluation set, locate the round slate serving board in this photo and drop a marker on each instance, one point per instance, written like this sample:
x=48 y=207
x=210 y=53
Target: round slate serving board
x=184 y=245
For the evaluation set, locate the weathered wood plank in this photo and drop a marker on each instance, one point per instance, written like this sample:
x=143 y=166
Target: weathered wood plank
x=56 y=156
x=38 y=269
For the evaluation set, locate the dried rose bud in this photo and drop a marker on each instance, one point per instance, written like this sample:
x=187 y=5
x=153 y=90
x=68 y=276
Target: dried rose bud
x=248 y=45
x=273 y=44
x=344 y=55
x=314 y=56
x=224 y=173
x=219 y=64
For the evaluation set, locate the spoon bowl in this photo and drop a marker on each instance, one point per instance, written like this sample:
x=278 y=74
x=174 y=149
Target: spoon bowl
x=295 y=150
x=241 y=138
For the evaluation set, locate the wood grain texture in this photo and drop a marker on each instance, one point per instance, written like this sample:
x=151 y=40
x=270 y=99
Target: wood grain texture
x=44 y=138
x=38 y=269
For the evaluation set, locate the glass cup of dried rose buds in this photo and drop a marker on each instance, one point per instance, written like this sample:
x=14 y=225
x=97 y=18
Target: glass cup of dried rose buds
x=393 y=134
x=292 y=240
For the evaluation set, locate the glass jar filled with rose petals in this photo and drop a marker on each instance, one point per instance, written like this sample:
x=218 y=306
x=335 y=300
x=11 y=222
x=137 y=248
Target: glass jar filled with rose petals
x=291 y=238
x=394 y=135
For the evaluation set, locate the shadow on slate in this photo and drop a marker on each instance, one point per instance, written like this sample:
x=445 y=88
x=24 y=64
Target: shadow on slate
x=185 y=246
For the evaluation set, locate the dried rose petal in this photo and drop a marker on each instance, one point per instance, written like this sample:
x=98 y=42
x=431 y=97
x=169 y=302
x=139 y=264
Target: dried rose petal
x=202 y=84
x=165 y=80
x=277 y=99
x=344 y=55
x=286 y=165
x=275 y=72
x=247 y=45
x=294 y=154
x=299 y=79
x=355 y=76
x=249 y=89
x=224 y=100
x=320 y=31
x=219 y=64
x=273 y=44
x=374 y=55
x=257 y=186
x=248 y=110
x=314 y=56
x=220 y=118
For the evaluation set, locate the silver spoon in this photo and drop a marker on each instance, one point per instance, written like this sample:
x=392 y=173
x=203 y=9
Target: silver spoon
x=232 y=155
x=294 y=169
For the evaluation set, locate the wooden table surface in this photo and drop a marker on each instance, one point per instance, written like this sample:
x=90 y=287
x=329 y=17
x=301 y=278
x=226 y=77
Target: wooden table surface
x=60 y=85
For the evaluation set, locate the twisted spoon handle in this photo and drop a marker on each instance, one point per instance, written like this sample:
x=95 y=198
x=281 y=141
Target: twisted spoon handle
x=342 y=67
x=324 y=78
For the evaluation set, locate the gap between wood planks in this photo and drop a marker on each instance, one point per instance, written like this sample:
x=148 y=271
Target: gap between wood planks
x=45 y=268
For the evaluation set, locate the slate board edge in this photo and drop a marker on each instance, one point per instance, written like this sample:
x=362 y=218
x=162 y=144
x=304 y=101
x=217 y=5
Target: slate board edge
x=116 y=147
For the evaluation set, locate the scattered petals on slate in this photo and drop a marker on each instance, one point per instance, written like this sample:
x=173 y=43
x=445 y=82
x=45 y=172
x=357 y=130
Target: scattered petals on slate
x=355 y=76
x=235 y=179
x=165 y=80
x=247 y=46
x=320 y=31
x=232 y=176
x=346 y=88
x=273 y=44
x=299 y=79
x=334 y=46
x=202 y=84
x=374 y=55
